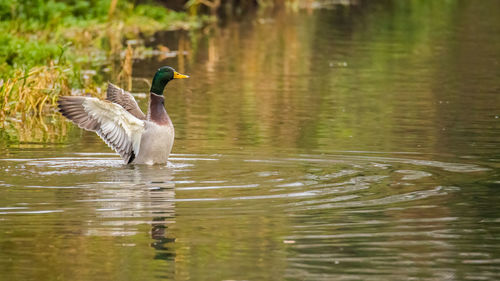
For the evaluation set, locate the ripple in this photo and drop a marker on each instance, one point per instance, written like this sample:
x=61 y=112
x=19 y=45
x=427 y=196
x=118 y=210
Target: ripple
x=447 y=166
x=298 y=186
x=31 y=212
x=413 y=175
x=410 y=196
x=218 y=187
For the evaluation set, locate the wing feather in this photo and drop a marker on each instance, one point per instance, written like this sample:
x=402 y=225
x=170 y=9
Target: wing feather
x=119 y=129
x=124 y=99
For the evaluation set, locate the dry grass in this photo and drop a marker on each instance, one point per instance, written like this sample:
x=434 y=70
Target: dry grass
x=27 y=98
x=32 y=93
x=125 y=74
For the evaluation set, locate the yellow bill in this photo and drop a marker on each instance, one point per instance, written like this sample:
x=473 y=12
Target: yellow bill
x=177 y=75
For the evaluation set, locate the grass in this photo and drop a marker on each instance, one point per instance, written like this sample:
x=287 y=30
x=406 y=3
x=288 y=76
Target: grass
x=32 y=91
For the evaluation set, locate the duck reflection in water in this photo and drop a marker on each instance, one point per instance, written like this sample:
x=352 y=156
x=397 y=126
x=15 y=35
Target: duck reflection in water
x=134 y=196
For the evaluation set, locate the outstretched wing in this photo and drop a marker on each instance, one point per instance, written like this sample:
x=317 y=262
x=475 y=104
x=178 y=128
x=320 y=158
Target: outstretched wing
x=117 y=127
x=125 y=99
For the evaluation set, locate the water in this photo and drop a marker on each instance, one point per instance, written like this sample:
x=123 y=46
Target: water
x=355 y=143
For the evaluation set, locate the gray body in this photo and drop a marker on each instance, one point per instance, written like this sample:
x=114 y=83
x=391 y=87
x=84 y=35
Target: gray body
x=156 y=144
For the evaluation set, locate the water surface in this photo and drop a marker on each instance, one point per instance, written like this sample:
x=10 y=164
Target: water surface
x=353 y=143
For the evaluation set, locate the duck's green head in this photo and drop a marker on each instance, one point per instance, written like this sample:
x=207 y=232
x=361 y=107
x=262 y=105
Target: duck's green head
x=162 y=77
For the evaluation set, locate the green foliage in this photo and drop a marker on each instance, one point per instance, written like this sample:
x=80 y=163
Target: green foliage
x=44 y=12
x=21 y=53
x=158 y=13
x=32 y=32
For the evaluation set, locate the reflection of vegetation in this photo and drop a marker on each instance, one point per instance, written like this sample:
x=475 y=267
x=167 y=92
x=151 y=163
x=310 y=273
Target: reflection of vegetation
x=362 y=78
x=41 y=129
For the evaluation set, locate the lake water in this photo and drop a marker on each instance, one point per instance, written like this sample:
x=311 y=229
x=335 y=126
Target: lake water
x=341 y=143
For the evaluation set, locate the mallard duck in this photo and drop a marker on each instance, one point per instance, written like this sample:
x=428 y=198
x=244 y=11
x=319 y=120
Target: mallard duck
x=118 y=120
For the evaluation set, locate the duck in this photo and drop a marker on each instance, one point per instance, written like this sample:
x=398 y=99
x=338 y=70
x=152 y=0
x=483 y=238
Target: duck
x=137 y=137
